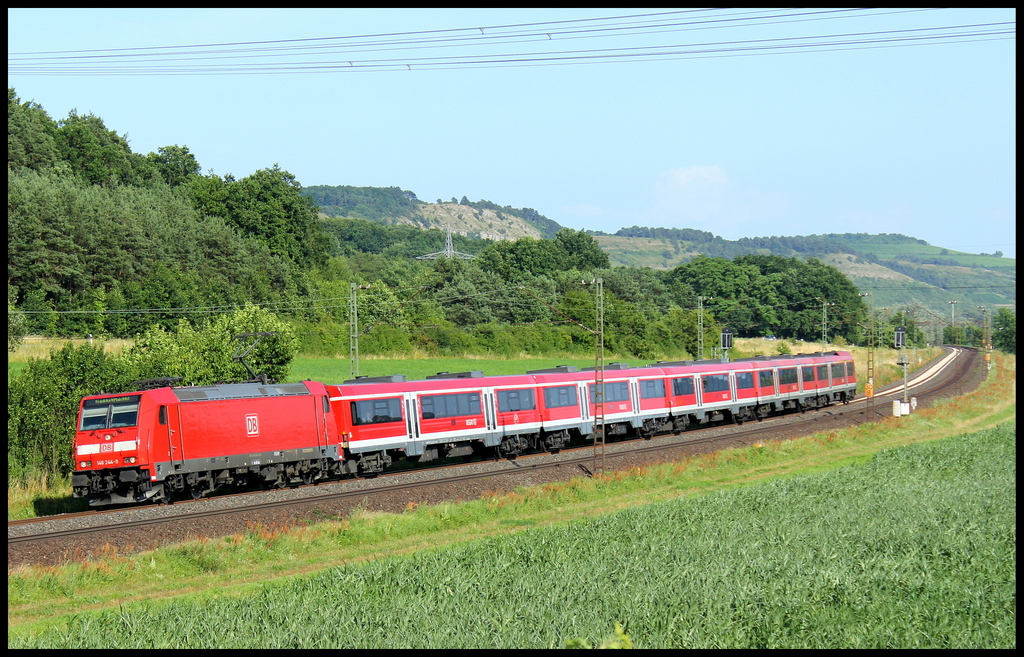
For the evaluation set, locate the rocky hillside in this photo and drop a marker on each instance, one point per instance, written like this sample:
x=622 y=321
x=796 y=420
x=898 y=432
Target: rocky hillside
x=468 y=221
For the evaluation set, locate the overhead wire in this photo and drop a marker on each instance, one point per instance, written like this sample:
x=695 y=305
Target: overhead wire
x=189 y=59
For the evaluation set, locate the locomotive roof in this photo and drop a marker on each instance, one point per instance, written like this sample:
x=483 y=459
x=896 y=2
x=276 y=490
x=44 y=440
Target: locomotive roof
x=240 y=391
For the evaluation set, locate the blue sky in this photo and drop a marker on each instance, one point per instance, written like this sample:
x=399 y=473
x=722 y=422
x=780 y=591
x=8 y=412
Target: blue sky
x=914 y=139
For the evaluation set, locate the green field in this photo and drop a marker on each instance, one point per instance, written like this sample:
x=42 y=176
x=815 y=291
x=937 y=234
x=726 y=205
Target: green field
x=894 y=251
x=336 y=370
x=915 y=548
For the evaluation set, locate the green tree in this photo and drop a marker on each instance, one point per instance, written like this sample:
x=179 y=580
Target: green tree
x=30 y=135
x=17 y=324
x=582 y=250
x=100 y=156
x=42 y=404
x=203 y=355
x=269 y=206
x=523 y=258
x=1004 y=331
x=175 y=164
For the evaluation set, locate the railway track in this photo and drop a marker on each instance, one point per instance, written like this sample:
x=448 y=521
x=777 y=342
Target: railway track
x=40 y=539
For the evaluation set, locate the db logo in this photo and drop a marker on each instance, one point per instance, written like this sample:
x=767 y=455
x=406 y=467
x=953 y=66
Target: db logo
x=252 y=425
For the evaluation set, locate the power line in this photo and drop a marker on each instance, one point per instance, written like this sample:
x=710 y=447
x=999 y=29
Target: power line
x=342 y=54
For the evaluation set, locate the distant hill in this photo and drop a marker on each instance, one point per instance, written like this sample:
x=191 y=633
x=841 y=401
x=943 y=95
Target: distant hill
x=896 y=270
x=392 y=205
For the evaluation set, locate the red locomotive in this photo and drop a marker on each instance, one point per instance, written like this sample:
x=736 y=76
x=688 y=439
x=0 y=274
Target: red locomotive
x=157 y=444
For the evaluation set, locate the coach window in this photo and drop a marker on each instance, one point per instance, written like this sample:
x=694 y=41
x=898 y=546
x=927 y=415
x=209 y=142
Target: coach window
x=376 y=411
x=849 y=368
x=654 y=389
x=808 y=373
x=436 y=406
x=560 y=396
x=823 y=372
x=682 y=386
x=838 y=370
x=715 y=382
x=744 y=380
x=615 y=391
x=516 y=400
x=787 y=375
x=765 y=379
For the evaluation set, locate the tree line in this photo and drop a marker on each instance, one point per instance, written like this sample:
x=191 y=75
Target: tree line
x=110 y=242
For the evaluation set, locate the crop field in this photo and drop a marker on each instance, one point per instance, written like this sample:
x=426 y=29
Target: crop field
x=915 y=548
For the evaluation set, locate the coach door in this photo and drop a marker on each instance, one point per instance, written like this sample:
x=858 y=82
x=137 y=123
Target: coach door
x=321 y=415
x=170 y=416
x=490 y=413
x=412 y=418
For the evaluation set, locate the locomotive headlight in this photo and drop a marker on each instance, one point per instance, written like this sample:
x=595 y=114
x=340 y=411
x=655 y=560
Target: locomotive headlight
x=85 y=464
x=130 y=459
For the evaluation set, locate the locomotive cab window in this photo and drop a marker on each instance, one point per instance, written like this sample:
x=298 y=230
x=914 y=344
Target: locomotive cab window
x=111 y=413
x=376 y=411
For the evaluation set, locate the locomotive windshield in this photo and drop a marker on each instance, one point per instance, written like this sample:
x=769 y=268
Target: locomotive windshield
x=110 y=413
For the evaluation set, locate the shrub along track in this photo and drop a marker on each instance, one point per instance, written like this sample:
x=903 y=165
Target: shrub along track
x=77 y=536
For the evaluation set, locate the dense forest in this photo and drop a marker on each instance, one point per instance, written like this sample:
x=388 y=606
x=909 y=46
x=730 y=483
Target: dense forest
x=107 y=241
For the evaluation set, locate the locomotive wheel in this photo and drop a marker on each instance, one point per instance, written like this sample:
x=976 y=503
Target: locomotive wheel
x=162 y=497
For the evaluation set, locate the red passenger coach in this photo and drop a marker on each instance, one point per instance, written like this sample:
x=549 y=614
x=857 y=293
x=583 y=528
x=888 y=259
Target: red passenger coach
x=150 y=444
x=446 y=415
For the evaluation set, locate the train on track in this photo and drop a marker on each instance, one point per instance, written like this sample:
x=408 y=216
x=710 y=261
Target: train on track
x=168 y=442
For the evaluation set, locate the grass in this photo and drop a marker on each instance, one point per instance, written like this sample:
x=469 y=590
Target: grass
x=336 y=370
x=267 y=565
